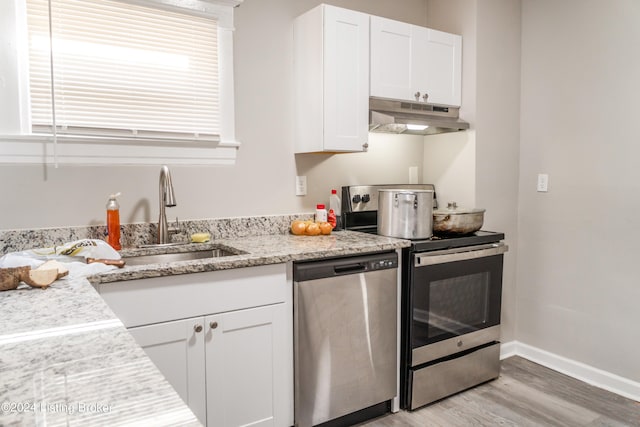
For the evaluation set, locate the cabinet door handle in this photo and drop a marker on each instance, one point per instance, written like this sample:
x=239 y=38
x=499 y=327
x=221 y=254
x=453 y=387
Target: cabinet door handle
x=197 y=328
x=213 y=325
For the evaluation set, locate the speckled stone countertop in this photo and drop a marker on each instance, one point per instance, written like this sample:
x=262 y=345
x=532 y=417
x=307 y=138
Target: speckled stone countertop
x=252 y=251
x=65 y=358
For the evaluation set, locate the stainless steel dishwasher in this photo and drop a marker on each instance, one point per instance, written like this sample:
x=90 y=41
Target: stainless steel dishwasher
x=345 y=338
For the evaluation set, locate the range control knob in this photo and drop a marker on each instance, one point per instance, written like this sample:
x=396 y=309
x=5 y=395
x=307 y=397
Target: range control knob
x=356 y=198
x=366 y=198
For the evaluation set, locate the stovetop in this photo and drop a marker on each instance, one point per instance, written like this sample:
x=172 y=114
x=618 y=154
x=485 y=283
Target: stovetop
x=447 y=242
x=435 y=243
x=360 y=213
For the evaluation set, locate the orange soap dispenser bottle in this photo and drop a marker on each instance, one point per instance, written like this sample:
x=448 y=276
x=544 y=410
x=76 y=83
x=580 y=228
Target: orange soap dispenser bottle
x=113 y=222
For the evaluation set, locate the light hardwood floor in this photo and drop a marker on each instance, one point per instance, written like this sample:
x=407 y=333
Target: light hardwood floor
x=526 y=394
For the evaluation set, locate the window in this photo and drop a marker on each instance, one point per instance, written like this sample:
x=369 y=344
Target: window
x=148 y=80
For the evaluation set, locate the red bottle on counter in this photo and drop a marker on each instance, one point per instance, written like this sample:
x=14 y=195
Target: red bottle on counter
x=331 y=218
x=113 y=222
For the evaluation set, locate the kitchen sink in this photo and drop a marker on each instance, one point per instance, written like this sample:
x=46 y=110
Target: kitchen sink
x=179 y=256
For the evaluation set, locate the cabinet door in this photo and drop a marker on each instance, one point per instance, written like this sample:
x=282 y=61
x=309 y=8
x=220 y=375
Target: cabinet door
x=331 y=75
x=407 y=59
x=392 y=51
x=246 y=366
x=177 y=350
x=346 y=79
x=443 y=68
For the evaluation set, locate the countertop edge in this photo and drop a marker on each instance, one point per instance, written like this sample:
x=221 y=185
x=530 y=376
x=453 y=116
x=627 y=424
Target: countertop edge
x=70 y=306
x=285 y=249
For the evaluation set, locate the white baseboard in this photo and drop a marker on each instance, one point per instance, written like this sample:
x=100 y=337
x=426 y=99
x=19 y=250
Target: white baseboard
x=578 y=370
x=508 y=349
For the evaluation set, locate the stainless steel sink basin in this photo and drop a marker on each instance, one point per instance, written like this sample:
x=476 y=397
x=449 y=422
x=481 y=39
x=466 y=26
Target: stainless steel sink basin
x=180 y=256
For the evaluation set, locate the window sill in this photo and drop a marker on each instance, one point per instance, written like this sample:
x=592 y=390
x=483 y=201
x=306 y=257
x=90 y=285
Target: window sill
x=36 y=149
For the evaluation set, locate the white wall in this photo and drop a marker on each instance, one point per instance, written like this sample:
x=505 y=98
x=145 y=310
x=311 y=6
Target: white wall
x=262 y=181
x=450 y=164
x=578 y=284
x=479 y=168
x=450 y=159
x=498 y=135
x=567 y=73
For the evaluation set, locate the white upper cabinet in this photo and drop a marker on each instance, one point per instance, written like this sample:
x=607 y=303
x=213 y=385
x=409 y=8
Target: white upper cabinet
x=392 y=68
x=408 y=61
x=331 y=72
x=443 y=68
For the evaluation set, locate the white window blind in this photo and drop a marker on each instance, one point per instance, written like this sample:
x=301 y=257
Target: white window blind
x=122 y=70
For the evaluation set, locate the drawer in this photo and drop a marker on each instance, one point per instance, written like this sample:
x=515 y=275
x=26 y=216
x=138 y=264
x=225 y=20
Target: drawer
x=161 y=299
x=445 y=378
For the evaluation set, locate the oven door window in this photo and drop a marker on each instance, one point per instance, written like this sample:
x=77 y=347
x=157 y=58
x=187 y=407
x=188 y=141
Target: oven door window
x=455 y=298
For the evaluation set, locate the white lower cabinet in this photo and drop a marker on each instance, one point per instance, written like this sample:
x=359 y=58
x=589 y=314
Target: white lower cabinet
x=233 y=365
x=178 y=352
x=244 y=363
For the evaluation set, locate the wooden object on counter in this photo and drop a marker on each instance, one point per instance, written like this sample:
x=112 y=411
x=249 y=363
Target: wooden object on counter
x=40 y=277
x=10 y=277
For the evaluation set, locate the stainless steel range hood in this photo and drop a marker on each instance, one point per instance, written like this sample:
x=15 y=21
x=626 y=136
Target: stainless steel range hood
x=413 y=118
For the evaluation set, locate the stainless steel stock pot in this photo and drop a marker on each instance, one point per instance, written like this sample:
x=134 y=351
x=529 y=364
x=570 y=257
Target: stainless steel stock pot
x=405 y=214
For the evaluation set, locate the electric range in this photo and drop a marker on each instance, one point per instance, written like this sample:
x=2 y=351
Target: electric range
x=450 y=303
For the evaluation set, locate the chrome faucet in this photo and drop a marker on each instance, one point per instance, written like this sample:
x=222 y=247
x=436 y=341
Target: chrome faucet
x=166 y=199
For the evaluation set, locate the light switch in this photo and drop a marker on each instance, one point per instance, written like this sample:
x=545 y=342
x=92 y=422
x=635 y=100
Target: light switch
x=301 y=185
x=543 y=182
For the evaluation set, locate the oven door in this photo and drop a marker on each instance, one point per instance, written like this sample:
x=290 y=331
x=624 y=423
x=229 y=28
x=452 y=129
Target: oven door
x=455 y=297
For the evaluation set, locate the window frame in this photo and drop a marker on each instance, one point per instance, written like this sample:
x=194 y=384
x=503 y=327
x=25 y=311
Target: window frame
x=19 y=145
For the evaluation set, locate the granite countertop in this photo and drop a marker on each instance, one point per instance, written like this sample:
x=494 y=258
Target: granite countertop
x=66 y=359
x=255 y=250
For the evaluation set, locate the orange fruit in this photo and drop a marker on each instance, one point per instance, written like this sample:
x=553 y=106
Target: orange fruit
x=313 y=229
x=326 y=227
x=298 y=227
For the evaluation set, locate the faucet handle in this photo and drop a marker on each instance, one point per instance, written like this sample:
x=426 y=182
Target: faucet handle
x=175 y=233
x=175 y=228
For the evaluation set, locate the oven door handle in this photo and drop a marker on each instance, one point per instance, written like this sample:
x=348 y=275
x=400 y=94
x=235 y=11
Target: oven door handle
x=462 y=254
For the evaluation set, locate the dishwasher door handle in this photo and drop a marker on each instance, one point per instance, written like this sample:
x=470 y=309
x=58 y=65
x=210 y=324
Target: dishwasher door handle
x=350 y=268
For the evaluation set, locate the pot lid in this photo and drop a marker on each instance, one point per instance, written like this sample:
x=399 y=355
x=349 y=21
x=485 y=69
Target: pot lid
x=453 y=208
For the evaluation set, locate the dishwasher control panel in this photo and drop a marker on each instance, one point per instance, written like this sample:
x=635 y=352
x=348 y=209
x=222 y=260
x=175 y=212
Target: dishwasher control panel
x=332 y=267
x=385 y=263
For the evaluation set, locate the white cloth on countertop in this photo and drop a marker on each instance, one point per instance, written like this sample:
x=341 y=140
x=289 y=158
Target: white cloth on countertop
x=88 y=248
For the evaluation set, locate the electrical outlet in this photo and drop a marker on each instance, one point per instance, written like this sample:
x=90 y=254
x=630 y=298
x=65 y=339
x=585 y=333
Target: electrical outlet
x=543 y=182
x=301 y=185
